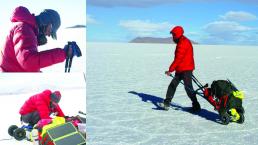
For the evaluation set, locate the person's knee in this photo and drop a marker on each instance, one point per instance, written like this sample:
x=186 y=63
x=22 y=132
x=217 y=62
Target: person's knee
x=31 y=118
x=189 y=88
x=23 y=119
x=189 y=92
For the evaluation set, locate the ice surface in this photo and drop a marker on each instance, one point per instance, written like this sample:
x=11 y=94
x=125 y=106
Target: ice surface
x=125 y=81
x=16 y=88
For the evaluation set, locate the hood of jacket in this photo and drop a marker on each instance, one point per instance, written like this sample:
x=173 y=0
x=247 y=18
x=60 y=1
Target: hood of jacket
x=22 y=14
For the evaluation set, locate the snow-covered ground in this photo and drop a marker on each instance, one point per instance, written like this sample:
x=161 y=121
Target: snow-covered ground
x=125 y=81
x=16 y=88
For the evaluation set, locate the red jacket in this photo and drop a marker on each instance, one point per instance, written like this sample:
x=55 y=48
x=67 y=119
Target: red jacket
x=184 y=57
x=41 y=103
x=20 y=53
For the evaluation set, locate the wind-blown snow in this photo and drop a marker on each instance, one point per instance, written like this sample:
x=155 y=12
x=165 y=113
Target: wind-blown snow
x=126 y=81
x=16 y=88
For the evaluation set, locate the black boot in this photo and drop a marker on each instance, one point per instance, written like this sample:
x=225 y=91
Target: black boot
x=195 y=107
x=165 y=105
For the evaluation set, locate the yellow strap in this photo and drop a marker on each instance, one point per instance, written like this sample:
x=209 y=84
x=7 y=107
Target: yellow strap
x=62 y=137
x=239 y=94
x=31 y=138
x=235 y=115
x=56 y=121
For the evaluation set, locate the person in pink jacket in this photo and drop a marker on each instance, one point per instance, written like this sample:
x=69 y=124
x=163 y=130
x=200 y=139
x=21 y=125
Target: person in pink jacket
x=41 y=106
x=20 y=51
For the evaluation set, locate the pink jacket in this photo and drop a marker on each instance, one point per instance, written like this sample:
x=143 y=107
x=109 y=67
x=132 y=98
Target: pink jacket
x=41 y=103
x=20 y=53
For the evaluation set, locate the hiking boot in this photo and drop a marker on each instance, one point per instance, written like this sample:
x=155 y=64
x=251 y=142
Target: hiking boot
x=164 y=105
x=195 y=108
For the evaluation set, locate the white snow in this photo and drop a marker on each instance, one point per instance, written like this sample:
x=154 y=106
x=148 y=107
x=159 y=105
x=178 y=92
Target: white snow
x=124 y=81
x=16 y=88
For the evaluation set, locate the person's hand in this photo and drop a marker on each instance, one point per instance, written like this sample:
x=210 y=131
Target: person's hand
x=72 y=49
x=68 y=51
x=168 y=73
x=41 y=123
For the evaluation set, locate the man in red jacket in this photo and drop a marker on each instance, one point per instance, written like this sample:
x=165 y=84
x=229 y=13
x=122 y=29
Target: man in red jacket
x=41 y=106
x=20 y=50
x=183 y=65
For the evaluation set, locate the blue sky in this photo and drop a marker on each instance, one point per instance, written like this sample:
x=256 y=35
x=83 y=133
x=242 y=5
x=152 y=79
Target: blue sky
x=72 y=12
x=205 y=21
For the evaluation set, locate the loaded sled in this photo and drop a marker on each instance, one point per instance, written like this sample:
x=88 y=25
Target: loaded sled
x=61 y=131
x=224 y=97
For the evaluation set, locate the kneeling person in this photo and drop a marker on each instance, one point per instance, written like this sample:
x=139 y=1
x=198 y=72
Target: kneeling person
x=41 y=106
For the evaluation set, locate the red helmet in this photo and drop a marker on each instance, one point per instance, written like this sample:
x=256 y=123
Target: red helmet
x=177 y=32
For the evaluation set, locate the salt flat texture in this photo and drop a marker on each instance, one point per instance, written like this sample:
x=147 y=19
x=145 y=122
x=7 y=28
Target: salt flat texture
x=16 y=88
x=125 y=82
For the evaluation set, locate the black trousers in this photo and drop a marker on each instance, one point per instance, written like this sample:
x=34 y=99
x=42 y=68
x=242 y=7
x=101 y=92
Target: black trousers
x=186 y=76
x=31 y=118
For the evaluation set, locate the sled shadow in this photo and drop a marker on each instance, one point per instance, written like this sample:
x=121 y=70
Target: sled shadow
x=156 y=100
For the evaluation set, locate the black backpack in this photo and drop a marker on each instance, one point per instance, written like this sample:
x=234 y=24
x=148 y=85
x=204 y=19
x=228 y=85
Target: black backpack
x=225 y=88
x=221 y=88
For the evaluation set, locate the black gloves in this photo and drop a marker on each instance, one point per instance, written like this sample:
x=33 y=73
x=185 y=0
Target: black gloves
x=72 y=49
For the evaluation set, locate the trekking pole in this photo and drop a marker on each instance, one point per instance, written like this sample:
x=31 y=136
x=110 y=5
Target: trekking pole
x=66 y=63
x=70 y=64
x=69 y=59
x=80 y=112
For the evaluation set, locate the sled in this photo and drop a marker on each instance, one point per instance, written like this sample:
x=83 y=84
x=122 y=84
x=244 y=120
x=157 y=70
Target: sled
x=228 y=105
x=61 y=131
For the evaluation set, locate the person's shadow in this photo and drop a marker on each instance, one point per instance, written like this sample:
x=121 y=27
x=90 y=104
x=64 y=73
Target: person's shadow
x=156 y=100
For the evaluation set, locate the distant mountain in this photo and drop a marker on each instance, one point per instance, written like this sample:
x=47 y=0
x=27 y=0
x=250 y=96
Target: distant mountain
x=77 y=26
x=154 y=40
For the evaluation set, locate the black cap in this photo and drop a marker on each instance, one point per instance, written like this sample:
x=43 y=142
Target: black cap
x=49 y=16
